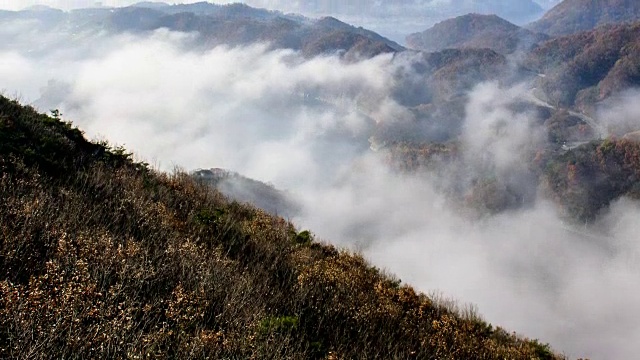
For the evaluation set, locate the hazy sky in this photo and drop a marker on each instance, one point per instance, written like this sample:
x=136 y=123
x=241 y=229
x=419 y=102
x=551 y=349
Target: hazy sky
x=71 y=4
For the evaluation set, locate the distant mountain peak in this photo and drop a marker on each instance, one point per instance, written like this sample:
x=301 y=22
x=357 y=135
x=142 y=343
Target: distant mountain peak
x=332 y=22
x=151 y=4
x=42 y=8
x=474 y=31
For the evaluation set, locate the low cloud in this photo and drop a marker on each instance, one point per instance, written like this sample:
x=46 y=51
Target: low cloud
x=620 y=114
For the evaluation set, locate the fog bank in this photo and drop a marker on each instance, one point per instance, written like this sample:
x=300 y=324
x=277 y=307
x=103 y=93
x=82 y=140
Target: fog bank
x=304 y=126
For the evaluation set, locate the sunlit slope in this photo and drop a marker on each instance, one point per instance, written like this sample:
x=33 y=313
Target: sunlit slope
x=102 y=257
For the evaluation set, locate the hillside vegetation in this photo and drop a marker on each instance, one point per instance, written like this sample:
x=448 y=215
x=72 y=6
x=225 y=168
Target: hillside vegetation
x=588 y=178
x=475 y=31
x=231 y=24
x=572 y=16
x=102 y=257
x=588 y=67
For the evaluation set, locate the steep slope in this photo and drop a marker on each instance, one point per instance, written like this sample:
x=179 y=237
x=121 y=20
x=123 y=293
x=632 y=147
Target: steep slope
x=102 y=257
x=475 y=31
x=572 y=16
x=586 y=68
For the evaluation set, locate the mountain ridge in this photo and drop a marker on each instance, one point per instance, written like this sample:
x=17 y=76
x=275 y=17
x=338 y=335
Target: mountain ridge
x=232 y=24
x=572 y=16
x=475 y=31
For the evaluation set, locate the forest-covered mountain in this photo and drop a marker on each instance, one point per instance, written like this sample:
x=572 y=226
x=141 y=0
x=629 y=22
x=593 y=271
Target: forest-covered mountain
x=434 y=86
x=234 y=24
x=570 y=79
x=584 y=69
x=475 y=31
x=434 y=141
x=572 y=16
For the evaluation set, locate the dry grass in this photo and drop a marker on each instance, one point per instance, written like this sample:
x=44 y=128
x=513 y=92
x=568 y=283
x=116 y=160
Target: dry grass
x=103 y=258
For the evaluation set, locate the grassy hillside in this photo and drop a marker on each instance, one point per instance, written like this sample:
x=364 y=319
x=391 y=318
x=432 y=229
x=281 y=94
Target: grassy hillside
x=102 y=257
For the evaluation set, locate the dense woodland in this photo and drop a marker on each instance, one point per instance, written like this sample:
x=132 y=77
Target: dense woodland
x=588 y=178
x=587 y=68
